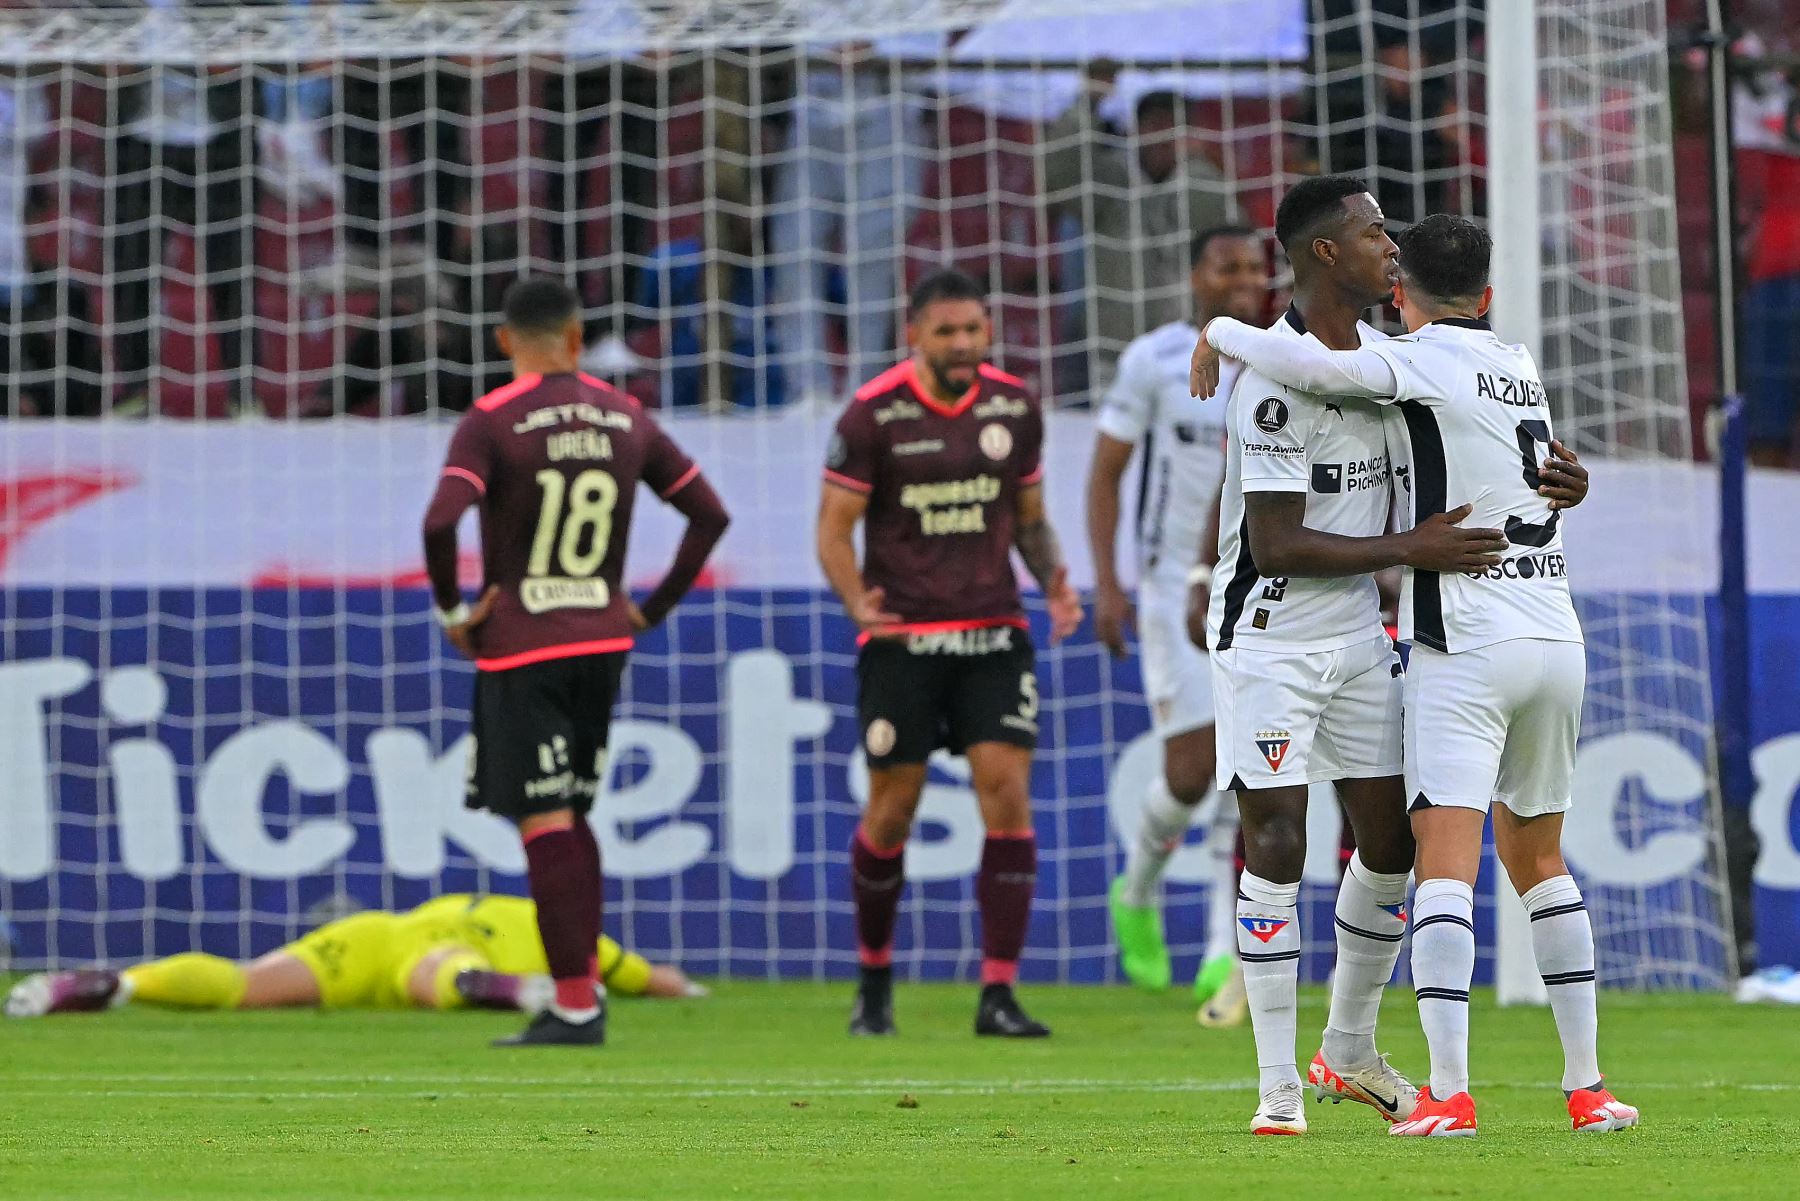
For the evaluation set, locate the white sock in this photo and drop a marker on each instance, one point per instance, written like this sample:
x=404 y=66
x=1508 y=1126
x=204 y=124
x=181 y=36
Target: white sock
x=1562 y=939
x=1164 y=825
x=1371 y=921
x=1221 y=897
x=1443 y=963
x=1268 y=939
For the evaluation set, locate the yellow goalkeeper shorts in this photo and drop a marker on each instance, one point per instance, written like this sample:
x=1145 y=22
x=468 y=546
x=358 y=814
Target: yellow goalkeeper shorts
x=351 y=958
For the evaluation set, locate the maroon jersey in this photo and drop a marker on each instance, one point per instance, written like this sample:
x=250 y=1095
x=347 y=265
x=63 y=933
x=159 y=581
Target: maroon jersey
x=556 y=461
x=943 y=484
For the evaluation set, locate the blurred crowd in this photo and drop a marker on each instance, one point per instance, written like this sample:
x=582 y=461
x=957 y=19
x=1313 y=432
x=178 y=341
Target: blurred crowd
x=334 y=237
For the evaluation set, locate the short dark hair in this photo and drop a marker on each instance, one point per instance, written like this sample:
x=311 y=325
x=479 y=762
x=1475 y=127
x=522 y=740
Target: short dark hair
x=1206 y=237
x=1309 y=202
x=947 y=284
x=1162 y=99
x=1446 y=257
x=537 y=305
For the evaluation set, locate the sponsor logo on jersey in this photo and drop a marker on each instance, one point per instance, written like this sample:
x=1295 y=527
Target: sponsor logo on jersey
x=996 y=441
x=899 y=410
x=922 y=446
x=1263 y=929
x=1358 y=475
x=551 y=415
x=1274 y=746
x=1261 y=620
x=952 y=506
x=1272 y=415
x=1269 y=448
x=880 y=738
x=1548 y=566
x=1186 y=433
x=987 y=640
x=540 y=594
x=1001 y=406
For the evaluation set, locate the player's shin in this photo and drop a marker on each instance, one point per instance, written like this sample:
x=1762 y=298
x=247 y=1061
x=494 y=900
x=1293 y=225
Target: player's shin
x=1221 y=879
x=566 y=886
x=1165 y=822
x=1003 y=890
x=877 y=877
x=188 y=981
x=1562 y=939
x=1268 y=941
x=1371 y=921
x=1443 y=963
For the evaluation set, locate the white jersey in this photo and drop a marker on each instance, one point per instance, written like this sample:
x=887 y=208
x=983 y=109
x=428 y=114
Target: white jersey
x=1476 y=427
x=1182 y=442
x=1335 y=452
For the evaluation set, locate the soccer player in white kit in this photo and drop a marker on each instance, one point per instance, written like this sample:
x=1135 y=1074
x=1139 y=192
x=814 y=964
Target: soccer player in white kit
x=1306 y=683
x=1493 y=689
x=1180 y=442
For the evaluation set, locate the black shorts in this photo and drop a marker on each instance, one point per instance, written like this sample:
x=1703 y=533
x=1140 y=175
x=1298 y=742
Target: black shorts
x=540 y=734
x=922 y=692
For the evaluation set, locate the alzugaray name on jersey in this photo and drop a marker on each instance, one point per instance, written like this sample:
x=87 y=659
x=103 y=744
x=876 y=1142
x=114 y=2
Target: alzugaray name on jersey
x=1520 y=393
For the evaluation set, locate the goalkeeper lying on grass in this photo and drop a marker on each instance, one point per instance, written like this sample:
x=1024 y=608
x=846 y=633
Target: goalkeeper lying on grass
x=448 y=953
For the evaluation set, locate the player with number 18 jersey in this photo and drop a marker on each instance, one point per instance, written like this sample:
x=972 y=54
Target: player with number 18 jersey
x=554 y=460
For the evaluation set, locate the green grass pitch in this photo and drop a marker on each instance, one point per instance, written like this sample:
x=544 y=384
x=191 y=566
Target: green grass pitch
x=758 y=1093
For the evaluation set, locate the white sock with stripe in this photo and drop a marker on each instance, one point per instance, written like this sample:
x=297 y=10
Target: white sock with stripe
x=1562 y=938
x=1268 y=939
x=1443 y=963
x=1164 y=825
x=1371 y=921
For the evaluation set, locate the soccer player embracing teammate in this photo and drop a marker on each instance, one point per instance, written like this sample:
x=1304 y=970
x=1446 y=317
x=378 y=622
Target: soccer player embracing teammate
x=1494 y=686
x=553 y=460
x=1305 y=680
x=939 y=459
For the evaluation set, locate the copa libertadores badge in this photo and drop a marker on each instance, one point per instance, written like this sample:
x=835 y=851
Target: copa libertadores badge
x=1272 y=415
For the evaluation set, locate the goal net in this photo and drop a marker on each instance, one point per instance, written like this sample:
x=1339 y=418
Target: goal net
x=251 y=259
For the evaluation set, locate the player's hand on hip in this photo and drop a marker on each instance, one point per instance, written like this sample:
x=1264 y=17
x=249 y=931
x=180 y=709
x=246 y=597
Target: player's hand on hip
x=871 y=618
x=1112 y=617
x=462 y=635
x=1440 y=543
x=1203 y=368
x=1199 y=600
x=1564 y=481
x=1065 y=605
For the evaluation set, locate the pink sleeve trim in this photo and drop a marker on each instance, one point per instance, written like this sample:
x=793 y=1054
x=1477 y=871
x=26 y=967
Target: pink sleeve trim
x=463 y=473
x=681 y=483
x=844 y=481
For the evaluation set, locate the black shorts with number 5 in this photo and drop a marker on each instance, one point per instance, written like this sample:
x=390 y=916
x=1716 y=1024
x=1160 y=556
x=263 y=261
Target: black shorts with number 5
x=915 y=695
x=540 y=734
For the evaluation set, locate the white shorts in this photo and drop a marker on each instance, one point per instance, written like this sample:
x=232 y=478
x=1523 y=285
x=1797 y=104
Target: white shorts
x=1287 y=718
x=1494 y=724
x=1177 y=677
